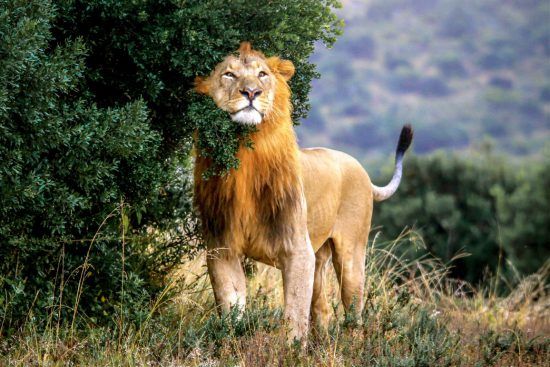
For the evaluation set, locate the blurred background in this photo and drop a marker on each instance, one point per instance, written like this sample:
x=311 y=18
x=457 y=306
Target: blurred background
x=473 y=80
x=463 y=75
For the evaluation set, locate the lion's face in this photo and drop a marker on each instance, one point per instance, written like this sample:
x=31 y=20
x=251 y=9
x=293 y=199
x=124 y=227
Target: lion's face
x=245 y=85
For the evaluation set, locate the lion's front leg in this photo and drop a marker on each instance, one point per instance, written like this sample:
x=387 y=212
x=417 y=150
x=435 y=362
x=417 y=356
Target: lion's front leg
x=227 y=278
x=298 y=268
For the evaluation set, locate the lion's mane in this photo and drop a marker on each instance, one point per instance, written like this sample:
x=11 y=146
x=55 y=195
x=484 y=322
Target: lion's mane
x=266 y=187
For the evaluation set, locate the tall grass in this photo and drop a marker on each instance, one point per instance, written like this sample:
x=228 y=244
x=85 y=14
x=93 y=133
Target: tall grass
x=414 y=315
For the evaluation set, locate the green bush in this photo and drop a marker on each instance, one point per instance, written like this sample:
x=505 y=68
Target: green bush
x=95 y=138
x=524 y=215
x=483 y=206
x=66 y=165
x=501 y=98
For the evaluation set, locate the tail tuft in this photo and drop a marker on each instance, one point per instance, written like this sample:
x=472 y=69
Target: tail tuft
x=405 y=140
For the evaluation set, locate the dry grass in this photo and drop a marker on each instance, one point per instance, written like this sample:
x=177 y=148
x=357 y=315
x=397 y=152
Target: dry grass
x=414 y=316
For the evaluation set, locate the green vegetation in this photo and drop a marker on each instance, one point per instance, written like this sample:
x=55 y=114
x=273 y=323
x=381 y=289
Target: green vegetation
x=96 y=126
x=213 y=127
x=413 y=317
x=100 y=253
x=485 y=206
x=68 y=165
x=462 y=75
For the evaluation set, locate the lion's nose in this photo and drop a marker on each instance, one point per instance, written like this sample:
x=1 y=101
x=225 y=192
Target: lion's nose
x=251 y=93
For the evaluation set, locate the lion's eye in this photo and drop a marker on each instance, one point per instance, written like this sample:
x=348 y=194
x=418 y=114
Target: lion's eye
x=262 y=74
x=229 y=75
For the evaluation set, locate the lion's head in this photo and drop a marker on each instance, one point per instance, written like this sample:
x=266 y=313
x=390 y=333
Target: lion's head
x=247 y=85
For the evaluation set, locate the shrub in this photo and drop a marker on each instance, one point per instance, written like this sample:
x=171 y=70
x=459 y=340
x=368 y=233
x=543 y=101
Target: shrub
x=95 y=138
x=429 y=139
x=501 y=82
x=501 y=98
x=482 y=206
x=501 y=53
x=545 y=94
x=66 y=165
x=392 y=62
x=458 y=23
x=360 y=135
x=524 y=214
x=367 y=49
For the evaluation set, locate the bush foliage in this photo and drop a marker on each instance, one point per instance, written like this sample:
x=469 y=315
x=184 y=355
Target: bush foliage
x=95 y=136
x=485 y=206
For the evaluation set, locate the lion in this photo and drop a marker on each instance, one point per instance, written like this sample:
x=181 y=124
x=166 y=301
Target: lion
x=290 y=208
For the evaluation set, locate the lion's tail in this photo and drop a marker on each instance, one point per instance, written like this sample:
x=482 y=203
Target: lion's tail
x=405 y=139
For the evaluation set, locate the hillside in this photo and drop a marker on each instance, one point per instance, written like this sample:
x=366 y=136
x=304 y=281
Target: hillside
x=462 y=75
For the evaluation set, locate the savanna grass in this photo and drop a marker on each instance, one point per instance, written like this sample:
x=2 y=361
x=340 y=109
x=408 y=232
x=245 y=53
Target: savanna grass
x=413 y=316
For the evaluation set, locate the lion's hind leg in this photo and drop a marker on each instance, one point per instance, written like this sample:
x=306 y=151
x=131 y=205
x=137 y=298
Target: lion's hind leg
x=320 y=307
x=348 y=258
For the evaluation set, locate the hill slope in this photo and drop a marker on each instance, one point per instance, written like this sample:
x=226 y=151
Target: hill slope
x=459 y=73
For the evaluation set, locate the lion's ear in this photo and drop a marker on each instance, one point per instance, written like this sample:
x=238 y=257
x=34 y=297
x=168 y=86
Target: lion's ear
x=201 y=85
x=284 y=67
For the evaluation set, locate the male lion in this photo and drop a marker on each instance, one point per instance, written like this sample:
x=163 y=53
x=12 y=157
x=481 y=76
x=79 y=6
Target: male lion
x=283 y=206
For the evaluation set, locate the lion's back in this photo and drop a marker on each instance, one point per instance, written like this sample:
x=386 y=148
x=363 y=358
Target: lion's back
x=331 y=164
x=335 y=183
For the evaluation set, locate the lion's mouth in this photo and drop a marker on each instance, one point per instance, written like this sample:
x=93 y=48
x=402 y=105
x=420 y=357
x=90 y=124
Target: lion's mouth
x=248 y=115
x=249 y=108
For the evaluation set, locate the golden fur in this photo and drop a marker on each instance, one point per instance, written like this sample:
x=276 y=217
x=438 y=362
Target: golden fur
x=291 y=208
x=252 y=201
